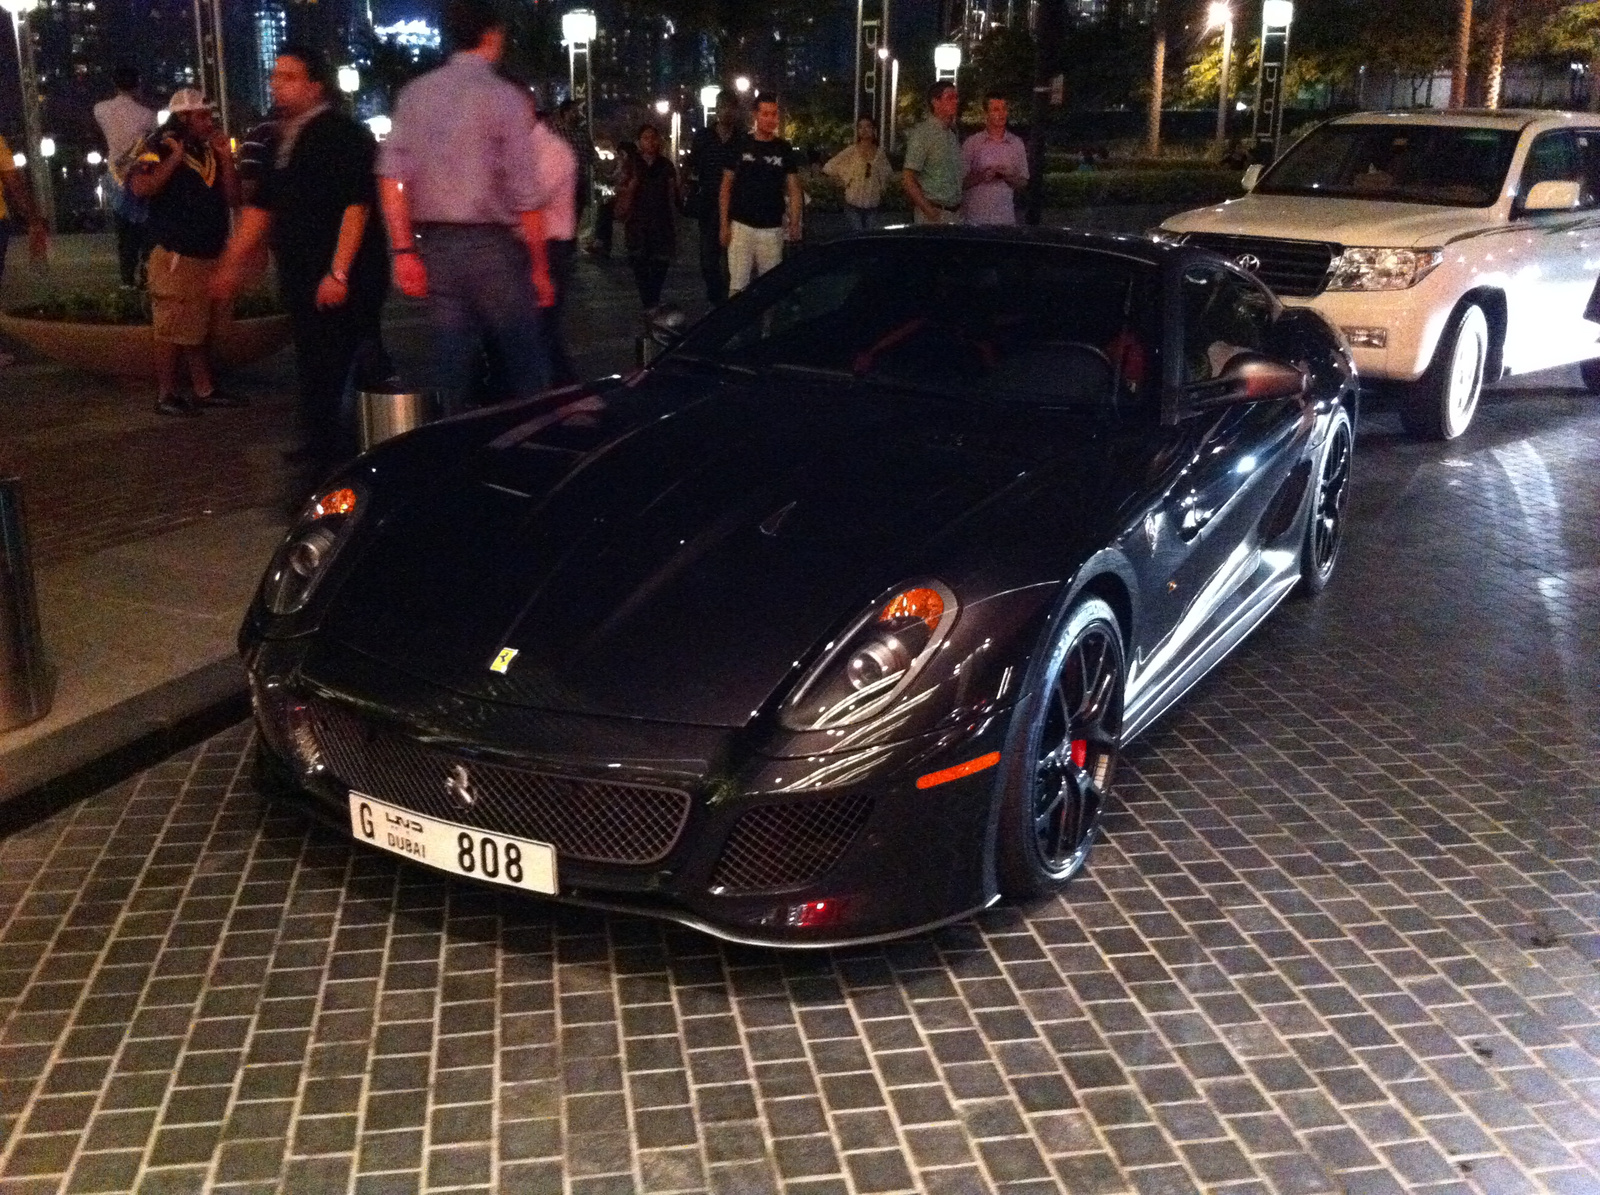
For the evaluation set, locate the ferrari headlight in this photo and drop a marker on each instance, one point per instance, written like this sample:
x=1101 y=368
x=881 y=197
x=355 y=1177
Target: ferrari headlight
x=1382 y=269
x=302 y=560
x=874 y=662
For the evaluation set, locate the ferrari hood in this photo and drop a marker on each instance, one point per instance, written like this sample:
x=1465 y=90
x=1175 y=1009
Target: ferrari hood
x=653 y=554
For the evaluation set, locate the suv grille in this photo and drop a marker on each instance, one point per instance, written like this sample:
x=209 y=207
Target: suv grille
x=778 y=846
x=596 y=821
x=1295 y=268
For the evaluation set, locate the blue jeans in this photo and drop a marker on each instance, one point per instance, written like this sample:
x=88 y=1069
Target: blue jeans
x=480 y=289
x=860 y=219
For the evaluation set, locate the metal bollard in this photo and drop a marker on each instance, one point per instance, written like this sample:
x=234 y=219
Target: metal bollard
x=25 y=683
x=382 y=414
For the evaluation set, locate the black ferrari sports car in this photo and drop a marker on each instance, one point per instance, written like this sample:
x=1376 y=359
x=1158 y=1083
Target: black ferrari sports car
x=830 y=624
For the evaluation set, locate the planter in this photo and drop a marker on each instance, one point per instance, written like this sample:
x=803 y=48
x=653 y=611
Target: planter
x=128 y=349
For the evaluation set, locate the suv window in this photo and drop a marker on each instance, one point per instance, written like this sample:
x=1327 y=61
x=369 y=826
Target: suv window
x=1223 y=315
x=1565 y=156
x=1398 y=163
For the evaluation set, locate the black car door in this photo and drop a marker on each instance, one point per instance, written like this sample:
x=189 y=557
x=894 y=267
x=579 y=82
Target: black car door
x=1240 y=455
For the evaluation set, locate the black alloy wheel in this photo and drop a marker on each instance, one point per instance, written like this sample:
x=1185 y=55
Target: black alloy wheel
x=1071 y=750
x=1329 y=497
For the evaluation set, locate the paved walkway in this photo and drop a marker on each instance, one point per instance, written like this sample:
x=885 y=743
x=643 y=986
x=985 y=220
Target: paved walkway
x=1342 y=935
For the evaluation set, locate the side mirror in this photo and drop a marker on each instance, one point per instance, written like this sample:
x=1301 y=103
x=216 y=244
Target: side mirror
x=667 y=324
x=1252 y=176
x=1249 y=377
x=1552 y=195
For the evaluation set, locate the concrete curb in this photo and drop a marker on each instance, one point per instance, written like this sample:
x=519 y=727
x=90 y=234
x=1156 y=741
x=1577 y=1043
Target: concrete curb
x=155 y=711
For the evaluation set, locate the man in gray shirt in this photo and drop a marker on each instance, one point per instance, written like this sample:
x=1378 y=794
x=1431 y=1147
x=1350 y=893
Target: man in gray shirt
x=461 y=198
x=933 y=169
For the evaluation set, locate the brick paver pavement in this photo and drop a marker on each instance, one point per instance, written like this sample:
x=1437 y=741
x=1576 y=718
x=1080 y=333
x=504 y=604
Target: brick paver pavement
x=1342 y=934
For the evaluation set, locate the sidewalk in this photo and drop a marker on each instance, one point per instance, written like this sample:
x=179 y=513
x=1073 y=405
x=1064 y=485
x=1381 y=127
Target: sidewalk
x=149 y=534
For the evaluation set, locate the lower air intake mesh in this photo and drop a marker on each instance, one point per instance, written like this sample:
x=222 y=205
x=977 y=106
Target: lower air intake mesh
x=779 y=846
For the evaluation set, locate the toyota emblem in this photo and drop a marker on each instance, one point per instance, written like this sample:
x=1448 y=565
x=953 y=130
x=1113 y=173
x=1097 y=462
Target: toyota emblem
x=1248 y=261
x=459 y=785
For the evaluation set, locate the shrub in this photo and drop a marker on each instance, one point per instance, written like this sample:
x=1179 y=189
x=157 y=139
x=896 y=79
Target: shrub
x=129 y=307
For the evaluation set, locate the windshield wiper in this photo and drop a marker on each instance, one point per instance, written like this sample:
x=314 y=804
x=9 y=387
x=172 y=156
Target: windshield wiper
x=743 y=371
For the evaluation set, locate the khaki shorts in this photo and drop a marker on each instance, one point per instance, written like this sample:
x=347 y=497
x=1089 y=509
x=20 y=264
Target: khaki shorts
x=180 y=308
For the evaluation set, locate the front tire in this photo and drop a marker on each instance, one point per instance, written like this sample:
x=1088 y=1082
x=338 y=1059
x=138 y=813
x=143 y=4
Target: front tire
x=1440 y=404
x=1068 y=756
x=1319 y=550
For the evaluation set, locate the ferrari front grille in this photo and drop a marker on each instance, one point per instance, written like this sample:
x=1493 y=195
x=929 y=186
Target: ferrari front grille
x=592 y=820
x=779 y=846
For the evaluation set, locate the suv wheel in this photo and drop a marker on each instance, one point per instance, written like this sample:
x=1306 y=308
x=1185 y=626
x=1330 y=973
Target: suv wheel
x=1590 y=370
x=1441 y=403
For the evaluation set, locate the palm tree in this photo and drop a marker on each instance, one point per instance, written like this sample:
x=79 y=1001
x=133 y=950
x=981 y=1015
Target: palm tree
x=1458 y=76
x=1158 y=70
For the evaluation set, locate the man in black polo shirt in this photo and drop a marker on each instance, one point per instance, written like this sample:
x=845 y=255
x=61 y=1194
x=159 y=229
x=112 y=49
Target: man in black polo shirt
x=316 y=202
x=714 y=149
x=756 y=189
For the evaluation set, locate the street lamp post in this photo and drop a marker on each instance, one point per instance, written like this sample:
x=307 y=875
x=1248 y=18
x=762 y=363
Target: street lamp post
x=946 y=61
x=1222 y=15
x=1276 y=17
x=213 y=63
x=708 y=100
x=43 y=188
x=578 y=30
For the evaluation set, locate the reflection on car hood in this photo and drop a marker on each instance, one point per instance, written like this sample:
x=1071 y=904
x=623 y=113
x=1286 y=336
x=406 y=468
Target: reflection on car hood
x=653 y=554
x=1345 y=221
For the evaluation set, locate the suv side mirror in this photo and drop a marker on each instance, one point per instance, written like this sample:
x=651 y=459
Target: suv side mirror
x=1249 y=377
x=1252 y=176
x=1553 y=195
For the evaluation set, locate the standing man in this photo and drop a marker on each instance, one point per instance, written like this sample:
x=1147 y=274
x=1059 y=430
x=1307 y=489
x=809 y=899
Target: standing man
x=185 y=171
x=996 y=164
x=714 y=150
x=570 y=125
x=560 y=179
x=14 y=188
x=316 y=201
x=461 y=198
x=124 y=122
x=761 y=200
x=933 y=169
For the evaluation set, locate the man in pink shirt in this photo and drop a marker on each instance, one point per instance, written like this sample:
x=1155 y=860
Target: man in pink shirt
x=556 y=165
x=996 y=164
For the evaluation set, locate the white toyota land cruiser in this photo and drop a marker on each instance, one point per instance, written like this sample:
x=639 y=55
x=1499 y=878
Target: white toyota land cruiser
x=1449 y=247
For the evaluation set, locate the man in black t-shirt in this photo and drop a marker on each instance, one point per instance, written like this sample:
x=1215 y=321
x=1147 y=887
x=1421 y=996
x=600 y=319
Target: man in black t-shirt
x=756 y=190
x=714 y=149
x=186 y=173
x=316 y=205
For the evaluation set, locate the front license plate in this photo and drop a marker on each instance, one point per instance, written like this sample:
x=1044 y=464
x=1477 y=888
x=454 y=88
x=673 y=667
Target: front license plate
x=460 y=850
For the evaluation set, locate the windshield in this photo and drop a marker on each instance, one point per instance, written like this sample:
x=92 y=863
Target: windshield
x=971 y=320
x=1405 y=163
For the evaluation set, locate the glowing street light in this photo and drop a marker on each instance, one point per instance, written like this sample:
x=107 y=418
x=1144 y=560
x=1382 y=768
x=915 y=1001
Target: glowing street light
x=1276 y=17
x=94 y=157
x=1277 y=14
x=946 y=61
x=742 y=84
x=380 y=125
x=20 y=161
x=663 y=107
x=47 y=147
x=579 y=28
x=349 y=80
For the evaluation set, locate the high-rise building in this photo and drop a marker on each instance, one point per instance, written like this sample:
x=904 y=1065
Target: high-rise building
x=271 y=31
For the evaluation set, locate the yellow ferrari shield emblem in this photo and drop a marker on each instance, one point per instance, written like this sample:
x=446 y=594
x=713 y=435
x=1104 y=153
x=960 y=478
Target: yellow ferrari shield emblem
x=503 y=660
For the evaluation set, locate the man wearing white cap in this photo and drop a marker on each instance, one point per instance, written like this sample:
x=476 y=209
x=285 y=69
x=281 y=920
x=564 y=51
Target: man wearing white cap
x=186 y=172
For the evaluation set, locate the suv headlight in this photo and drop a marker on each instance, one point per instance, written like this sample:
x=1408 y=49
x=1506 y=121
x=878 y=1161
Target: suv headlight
x=1382 y=269
x=302 y=560
x=875 y=661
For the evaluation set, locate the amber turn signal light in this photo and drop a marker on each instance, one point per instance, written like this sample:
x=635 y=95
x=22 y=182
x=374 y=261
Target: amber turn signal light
x=925 y=604
x=338 y=502
x=960 y=770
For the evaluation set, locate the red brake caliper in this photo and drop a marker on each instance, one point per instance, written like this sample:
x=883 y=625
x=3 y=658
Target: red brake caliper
x=1080 y=752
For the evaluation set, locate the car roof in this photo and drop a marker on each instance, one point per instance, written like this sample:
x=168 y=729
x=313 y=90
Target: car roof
x=1477 y=118
x=1122 y=244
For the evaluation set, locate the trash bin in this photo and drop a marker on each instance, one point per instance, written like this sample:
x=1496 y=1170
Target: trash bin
x=381 y=414
x=24 y=677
